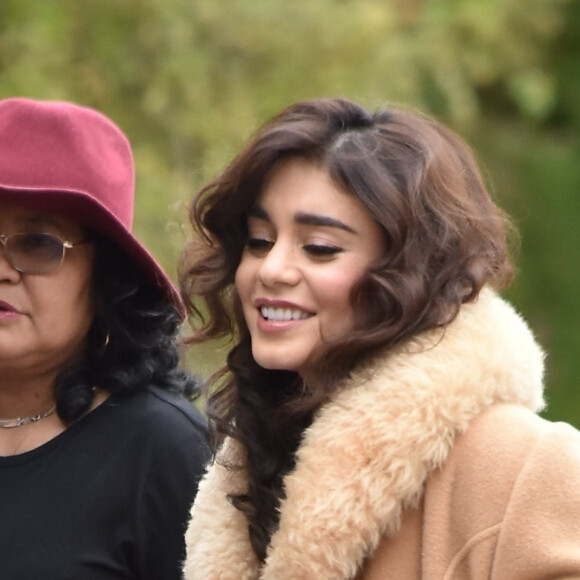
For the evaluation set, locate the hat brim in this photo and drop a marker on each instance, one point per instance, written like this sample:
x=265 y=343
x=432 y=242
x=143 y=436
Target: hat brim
x=84 y=209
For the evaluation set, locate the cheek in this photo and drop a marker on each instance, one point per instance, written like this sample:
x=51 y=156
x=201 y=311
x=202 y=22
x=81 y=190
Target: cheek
x=243 y=279
x=239 y=282
x=74 y=312
x=335 y=290
x=70 y=305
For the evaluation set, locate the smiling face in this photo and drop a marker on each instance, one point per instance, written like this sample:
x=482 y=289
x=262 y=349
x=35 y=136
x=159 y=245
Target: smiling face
x=44 y=318
x=308 y=245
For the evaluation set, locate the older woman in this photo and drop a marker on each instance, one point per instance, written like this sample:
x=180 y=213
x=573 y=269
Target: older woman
x=100 y=449
x=377 y=418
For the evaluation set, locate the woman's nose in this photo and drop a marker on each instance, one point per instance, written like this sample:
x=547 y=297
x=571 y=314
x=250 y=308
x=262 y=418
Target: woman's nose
x=279 y=266
x=7 y=271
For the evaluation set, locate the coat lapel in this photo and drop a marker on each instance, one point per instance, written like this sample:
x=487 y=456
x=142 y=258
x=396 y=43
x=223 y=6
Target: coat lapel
x=368 y=453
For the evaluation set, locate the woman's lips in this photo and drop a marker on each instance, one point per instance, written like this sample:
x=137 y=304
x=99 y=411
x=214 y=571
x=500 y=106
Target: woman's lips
x=7 y=311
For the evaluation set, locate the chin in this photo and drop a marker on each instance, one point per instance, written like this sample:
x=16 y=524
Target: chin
x=274 y=363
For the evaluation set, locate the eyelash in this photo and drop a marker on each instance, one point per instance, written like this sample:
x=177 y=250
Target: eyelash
x=259 y=244
x=320 y=250
x=316 y=250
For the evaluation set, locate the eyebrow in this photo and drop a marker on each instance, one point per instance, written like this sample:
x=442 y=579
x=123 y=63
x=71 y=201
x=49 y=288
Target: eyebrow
x=309 y=219
x=35 y=220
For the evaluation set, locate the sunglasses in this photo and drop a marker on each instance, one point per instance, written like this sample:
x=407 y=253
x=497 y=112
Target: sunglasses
x=35 y=253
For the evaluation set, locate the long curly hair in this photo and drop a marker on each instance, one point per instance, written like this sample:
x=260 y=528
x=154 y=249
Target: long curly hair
x=445 y=240
x=132 y=342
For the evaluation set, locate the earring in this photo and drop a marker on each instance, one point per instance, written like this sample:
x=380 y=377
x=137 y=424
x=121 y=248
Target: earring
x=103 y=347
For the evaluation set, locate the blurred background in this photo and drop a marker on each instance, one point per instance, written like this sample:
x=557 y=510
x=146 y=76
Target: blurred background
x=189 y=81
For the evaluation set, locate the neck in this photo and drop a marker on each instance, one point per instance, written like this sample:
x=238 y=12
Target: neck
x=25 y=398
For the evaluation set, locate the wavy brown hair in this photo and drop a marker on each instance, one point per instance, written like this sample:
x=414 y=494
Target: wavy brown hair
x=445 y=240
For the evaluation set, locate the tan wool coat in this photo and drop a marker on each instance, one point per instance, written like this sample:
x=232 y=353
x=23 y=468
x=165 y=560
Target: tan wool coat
x=429 y=464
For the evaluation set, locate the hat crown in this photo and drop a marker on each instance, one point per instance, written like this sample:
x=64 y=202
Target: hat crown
x=59 y=146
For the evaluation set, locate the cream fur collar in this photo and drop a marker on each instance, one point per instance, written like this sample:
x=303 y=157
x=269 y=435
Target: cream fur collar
x=368 y=453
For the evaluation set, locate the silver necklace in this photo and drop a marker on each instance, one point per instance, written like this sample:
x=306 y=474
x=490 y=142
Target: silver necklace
x=19 y=421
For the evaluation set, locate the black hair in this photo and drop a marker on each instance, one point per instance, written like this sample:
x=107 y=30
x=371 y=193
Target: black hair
x=132 y=342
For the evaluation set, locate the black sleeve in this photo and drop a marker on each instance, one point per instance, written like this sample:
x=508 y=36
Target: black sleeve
x=178 y=458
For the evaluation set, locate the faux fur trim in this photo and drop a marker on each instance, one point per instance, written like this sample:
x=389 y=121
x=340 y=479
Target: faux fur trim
x=368 y=453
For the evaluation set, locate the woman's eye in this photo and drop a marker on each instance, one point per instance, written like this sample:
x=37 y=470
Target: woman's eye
x=322 y=250
x=259 y=244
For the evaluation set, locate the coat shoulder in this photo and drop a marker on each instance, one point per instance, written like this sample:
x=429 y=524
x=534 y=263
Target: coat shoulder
x=507 y=498
x=507 y=434
x=502 y=444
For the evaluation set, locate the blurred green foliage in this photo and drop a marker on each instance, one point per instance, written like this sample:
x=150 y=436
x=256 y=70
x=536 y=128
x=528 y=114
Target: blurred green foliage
x=190 y=80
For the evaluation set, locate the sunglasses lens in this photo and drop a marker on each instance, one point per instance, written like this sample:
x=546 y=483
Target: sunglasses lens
x=35 y=253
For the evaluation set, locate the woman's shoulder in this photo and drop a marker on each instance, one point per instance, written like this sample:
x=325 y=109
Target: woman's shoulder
x=510 y=488
x=159 y=414
x=508 y=496
x=508 y=444
x=174 y=405
x=167 y=424
x=514 y=429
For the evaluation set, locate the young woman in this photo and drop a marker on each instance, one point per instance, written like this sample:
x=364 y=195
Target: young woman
x=377 y=416
x=100 y=449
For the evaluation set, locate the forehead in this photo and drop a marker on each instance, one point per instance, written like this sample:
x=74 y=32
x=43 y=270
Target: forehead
x=17 y=215
x=298 y=185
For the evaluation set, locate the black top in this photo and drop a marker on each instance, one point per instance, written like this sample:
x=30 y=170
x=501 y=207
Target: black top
x=108 y=498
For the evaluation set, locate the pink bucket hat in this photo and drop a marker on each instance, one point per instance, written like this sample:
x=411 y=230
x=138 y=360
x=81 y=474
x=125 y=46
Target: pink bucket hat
x=74 y=161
